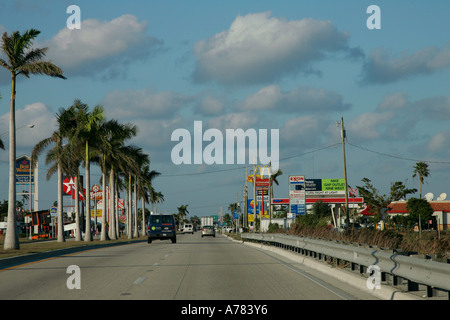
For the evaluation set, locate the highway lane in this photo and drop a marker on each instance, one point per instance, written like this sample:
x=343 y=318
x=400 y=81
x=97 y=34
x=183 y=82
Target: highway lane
x=194 y=268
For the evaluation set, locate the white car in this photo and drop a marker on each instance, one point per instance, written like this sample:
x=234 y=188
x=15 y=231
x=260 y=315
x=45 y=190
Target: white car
x=227 y=229
x=188 y=228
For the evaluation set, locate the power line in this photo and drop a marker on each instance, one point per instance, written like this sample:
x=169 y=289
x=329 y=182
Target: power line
x=243 y=167
x=395 y=156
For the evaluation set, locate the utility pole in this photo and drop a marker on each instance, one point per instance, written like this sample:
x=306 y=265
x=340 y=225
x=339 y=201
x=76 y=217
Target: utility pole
x=343 y=136
x=255 y=204
x=245 y=214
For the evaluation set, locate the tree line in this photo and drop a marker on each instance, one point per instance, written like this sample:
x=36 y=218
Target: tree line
x=82 y=136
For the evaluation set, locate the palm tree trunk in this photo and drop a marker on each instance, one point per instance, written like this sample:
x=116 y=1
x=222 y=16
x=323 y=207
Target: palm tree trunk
x=88 y=236
x=129 y=218
x=77 y=209
x=143 y=216
x=104 y=206
x=116 y=206
x=60 y=207
x=112 y=215
x=12 y=238
x=136 y=231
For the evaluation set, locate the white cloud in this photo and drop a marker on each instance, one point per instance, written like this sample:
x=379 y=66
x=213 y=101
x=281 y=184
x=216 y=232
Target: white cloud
x=148 y=104
x=300 y=99
x=100 y=45
x=304 y=132
x=395 y=101
x=383 y=67
x=37 y=114
x=440 y=141
x=368 y=126
x=244 y=120
x=210 y=105
x=258 y=48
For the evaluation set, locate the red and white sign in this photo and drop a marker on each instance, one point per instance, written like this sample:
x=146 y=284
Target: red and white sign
x=296 y=179
x=69 y=188
x=68 y=185
x=262 y=182
x=96 y=192
x=280 y=201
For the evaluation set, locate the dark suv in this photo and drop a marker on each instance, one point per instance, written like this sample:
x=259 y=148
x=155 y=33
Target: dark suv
x=162 y=227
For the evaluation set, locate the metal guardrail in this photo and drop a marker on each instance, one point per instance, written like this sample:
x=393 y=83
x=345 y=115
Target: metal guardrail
x=433 y=274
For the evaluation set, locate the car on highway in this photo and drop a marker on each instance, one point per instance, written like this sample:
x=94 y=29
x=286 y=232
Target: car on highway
x=188 y=228
x=162 y=227
x=227 y=229
x=208 y=231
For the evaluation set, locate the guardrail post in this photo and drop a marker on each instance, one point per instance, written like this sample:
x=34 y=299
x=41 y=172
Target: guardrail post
x=413 y=286
x=431 y=292
x=362 y=269
x=396 y=280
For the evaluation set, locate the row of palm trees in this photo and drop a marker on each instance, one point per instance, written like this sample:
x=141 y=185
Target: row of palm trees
x=84 y=136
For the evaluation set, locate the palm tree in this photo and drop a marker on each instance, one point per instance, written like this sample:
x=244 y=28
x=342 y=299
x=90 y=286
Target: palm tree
x=421 y=170
x=119 y=161
x=112 y=135
x=114 y=158
x=62 y=160
x=155 y=198
x=86 y=134
x=25 y=60
x=2 y=146
x=133 y=171
x=144 y=188
x=274 y=177
x=182 y=211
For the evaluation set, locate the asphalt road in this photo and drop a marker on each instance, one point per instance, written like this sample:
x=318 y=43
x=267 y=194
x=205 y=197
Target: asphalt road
x=194 y=268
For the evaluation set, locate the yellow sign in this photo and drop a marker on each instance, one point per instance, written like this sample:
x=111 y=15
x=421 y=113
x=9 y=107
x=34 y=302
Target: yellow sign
x=261 y=173
x=98 y=213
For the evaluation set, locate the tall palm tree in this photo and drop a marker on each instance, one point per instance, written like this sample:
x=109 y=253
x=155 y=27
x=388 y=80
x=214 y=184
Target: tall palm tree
x=119 y=161
x=421 y=170
x=112 y=135
x=2 y=146
x=25 y=60
x=87 y=134
x=114 y=158
x=144 y=187
x=156 y=197
x=65 y=120
x=182 y=212
x=138 y=158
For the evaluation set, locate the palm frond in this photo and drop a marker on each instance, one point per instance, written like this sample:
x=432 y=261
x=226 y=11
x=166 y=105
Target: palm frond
x=41 y=68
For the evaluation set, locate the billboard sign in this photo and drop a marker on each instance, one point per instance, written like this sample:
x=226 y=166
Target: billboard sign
x=314 y=187
x=251 y=205
x=23 y=169
x=297 y=195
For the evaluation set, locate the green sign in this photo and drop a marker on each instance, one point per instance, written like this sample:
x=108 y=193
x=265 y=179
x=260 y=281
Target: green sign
x=333 y=185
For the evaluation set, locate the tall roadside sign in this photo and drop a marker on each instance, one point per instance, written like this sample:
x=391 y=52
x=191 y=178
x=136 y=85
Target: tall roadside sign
x=297 y=204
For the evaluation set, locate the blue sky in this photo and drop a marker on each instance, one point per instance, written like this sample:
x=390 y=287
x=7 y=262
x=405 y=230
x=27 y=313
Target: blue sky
x=296 y=66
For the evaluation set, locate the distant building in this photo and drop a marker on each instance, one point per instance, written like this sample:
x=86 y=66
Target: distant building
x=441 y=213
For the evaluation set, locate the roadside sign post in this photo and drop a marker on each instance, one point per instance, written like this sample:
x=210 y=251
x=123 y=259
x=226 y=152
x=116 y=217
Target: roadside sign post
x=297 y=195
